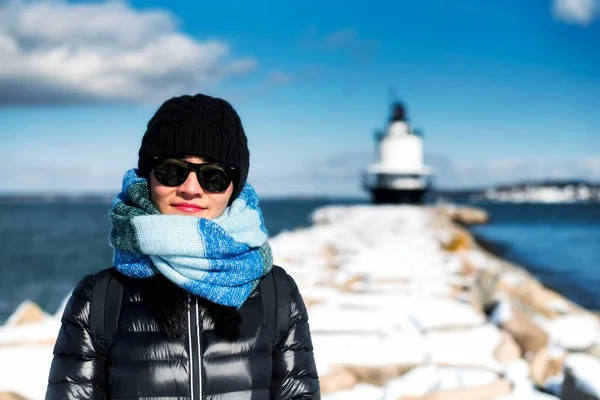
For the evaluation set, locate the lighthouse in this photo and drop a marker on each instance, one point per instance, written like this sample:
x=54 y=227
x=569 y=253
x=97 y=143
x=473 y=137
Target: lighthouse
x=398 y=174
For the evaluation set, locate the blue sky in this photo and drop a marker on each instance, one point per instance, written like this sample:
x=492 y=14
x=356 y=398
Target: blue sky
x=504 y=91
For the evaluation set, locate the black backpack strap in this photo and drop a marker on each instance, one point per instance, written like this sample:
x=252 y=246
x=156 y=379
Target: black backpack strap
x=275 y=293
x=105 y=307
x=283 y=292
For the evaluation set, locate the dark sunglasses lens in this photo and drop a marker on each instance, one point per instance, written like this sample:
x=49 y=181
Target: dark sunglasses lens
x=214 y=178
x=171 y=172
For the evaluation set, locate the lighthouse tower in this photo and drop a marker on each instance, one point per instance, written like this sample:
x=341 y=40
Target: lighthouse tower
x=398 y=174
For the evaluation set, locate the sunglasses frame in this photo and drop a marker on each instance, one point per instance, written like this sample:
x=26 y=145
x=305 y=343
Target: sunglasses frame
x=196 y=167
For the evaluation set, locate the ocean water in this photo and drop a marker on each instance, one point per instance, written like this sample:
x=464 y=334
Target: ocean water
x=46 y=248
x=558 y=243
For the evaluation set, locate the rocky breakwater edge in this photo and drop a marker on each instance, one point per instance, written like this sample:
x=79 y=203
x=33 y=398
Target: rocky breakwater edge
x=404 y=305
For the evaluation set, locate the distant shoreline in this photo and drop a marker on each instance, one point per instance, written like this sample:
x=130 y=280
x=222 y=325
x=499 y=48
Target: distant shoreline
x=459 y=198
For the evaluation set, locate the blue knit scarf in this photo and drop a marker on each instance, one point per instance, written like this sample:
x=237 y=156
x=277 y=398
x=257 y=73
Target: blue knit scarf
x=221 y=260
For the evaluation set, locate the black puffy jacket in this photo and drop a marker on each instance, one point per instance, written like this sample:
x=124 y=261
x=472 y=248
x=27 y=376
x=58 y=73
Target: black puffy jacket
x=144 y=363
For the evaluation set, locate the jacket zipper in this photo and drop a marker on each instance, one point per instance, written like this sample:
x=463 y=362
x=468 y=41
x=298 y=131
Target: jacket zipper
x=195 y=348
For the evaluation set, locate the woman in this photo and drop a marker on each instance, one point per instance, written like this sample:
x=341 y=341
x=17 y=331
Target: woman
x=190 y=250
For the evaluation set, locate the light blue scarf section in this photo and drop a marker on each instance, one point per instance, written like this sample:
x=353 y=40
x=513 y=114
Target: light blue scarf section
x=221 y=260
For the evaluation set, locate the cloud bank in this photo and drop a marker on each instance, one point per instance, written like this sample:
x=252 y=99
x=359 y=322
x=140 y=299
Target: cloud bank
x=580 y=12
x=55 y=52
x=347 y=40
x=515 y=169
x=337 y=176
x=341 y=174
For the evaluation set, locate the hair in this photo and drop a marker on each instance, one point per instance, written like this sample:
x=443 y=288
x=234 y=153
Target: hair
x=168 y=303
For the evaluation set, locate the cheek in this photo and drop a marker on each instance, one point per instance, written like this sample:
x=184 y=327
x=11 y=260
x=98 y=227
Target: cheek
x=158 y=193
x=227 y=196
x=220 y=201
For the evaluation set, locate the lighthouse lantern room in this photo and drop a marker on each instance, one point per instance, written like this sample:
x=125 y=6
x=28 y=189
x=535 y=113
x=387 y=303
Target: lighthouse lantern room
x=398 y=174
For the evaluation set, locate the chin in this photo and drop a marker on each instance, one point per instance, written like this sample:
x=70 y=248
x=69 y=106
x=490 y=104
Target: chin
x=199 y=214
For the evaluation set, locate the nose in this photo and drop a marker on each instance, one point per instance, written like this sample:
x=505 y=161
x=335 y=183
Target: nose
x=191 y=187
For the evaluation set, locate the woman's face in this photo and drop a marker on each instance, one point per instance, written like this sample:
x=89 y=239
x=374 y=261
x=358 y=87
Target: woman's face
x=189 y=198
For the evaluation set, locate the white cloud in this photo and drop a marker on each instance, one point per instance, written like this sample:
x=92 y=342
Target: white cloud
x=88 y=163
x=53 y=51
x=65 y=178
x=349 y=40
x=279 y=77
x=336 y=176
x=592 y=165
x=83 y=166
x=580 y=12
x=340 y=37
x=341 y=174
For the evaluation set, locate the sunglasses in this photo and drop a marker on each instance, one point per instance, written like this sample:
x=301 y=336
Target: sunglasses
x=213 y=177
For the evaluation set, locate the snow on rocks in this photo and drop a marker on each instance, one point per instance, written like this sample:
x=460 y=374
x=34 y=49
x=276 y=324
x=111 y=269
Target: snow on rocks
x=464 y=215
x=438 y=313
x=396 y=288
x=359 y=392
x=466 y=347
x=25 y=378
x=43 y=332
x=27 y=325
x=26 y=312
x=527 y=333
x=582 y=378
x=28 y=334
x=532 y=295
x=507 y=350
x=376 y=312
x=576 y=332
x=370 y=350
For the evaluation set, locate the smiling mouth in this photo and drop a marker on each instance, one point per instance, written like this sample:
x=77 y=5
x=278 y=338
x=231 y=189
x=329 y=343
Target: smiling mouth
x=191 y=208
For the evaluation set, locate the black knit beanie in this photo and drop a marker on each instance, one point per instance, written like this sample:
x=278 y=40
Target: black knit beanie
x=199 y=125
